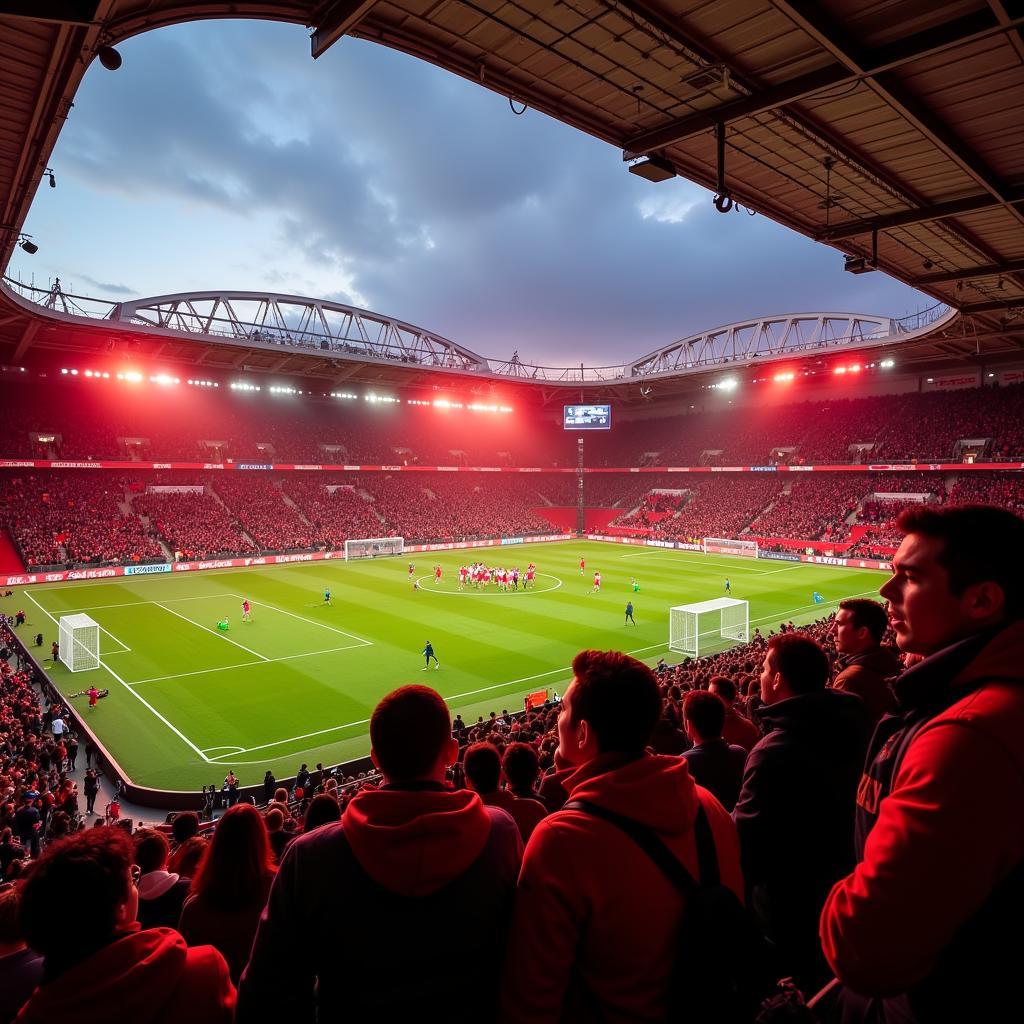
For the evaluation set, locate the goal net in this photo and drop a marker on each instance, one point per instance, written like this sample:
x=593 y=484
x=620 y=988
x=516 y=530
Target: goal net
x=724 y=546
x=79 y=639
x=708 y=626
x=374 y=547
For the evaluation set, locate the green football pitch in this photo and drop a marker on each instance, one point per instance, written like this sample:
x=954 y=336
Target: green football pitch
x=298 y=683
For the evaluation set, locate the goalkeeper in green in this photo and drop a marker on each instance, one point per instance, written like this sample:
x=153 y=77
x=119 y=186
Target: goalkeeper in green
x=223 y=624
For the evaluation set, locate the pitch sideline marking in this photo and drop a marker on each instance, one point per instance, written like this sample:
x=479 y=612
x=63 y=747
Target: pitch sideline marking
x=145 y=703
x=779 y=616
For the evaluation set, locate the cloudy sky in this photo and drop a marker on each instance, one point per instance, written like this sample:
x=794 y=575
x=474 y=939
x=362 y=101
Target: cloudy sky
x=222 y=156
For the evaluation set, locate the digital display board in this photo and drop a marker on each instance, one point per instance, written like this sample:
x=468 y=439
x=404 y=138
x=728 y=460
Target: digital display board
x=587 y=417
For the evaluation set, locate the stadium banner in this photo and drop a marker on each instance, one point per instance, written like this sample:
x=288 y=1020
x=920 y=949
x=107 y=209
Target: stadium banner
x=847 y=563
x=676 y=545
x=779 y=556
x=146 y=570
x=291 y=467
x=953 y=382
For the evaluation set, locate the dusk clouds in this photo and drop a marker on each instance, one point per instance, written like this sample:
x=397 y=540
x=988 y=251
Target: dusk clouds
x=220 y=155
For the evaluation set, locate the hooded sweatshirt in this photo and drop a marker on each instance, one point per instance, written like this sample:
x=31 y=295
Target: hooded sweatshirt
x=146 y=977
x=927 y=926
x=421 y=875
x=593 y=934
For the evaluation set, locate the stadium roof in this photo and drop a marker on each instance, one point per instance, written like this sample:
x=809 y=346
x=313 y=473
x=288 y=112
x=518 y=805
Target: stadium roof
x=891 y=131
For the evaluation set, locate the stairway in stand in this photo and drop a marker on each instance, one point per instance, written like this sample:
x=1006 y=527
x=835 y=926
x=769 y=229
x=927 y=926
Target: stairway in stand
x=10 y=560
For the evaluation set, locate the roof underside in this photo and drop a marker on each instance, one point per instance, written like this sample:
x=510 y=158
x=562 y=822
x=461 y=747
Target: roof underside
x=844 y=118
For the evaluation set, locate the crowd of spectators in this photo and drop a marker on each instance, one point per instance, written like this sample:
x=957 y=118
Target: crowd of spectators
x=315 y=429
x=816 y=507
x=258 y=503
x=56 y=518
x=877 y=860
x=192 y=523
x=334 y=509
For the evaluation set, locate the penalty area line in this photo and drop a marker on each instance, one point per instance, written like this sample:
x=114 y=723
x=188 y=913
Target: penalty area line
x=145 y=703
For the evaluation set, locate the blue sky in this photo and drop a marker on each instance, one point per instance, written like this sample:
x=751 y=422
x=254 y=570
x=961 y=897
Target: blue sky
x=222 y=156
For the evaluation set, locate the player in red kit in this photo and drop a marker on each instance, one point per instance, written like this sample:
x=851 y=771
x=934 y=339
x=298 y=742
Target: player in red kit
x=437 y=575
x=597 y=583
x=583 y=565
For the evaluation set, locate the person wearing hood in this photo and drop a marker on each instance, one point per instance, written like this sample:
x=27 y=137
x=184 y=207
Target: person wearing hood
x=408 y=866
x=866 y=666
x=594 y=934
x=926 y=928
x=795 y=810
x=162 y=893
x=105 y=968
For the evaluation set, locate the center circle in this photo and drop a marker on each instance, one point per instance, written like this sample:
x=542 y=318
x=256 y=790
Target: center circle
x=427 y=585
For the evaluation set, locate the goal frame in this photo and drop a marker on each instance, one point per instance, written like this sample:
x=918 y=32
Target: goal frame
x=728 y=546
x=79 y=641
x=395 y=546
x=733 y=618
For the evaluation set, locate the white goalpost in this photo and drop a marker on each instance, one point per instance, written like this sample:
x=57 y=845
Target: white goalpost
x=706 y=626
x=79 y=639
x=374 y=547
x=725 y=546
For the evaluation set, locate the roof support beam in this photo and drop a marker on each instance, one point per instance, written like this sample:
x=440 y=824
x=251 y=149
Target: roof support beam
x=63 y=12
x=823 y=29
x=993 y=307
x=919 y=215
x=885 y=58
x=338 y=19
x=991 y=270
x=31 y=330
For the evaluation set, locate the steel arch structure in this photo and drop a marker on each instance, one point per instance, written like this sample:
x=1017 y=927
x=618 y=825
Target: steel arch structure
x=767 y=337
x=296 y=322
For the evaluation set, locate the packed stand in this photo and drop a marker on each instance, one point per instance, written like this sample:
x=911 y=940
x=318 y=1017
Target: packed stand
x=816 y=507
x=69 y=518
x=334 y=515
x=193 y=524
x=259 y=505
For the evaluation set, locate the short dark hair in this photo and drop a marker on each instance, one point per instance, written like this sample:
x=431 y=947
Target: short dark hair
x=980 y=543
x=619 y=697
x=409 y=729
x=184 y=826
x=867 y=614
x=521 y=765
x=93 y=865
x=10 y=913
x=482 y=765
x=801 y=661
x=705 y=712
x=725 y=688
x=151 y=849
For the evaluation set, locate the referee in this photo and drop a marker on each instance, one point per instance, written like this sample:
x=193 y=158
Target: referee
x=428 y=653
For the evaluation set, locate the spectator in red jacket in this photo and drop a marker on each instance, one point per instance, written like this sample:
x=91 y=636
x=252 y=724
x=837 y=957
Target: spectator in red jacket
x=482 y=764
x=926 y=927
x=737 y=729
x=594 y=931
x=101 y=966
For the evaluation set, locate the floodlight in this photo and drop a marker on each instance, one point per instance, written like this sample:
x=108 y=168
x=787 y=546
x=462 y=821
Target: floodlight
x=49 y=173
x=109 y=57
x=25 y=241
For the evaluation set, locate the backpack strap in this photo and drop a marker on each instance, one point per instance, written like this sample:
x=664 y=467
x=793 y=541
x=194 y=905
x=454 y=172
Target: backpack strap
x=648 y=841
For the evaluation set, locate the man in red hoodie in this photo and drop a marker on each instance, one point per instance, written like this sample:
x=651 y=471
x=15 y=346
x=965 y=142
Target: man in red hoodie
x=927 y=926
x=103 y=967
x=594 y=931
x=411 y=867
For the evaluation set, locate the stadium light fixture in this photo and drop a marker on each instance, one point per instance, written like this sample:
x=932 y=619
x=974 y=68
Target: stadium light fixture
x=49 y=174
x=26 y=243
x=163 y=379
x=729 y=384
x=887 y=364
x=782 y=378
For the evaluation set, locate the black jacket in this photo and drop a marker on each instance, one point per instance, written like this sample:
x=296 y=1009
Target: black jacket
x=795 y=818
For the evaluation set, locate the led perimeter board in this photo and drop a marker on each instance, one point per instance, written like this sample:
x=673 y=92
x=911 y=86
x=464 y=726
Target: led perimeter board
x=587 y=417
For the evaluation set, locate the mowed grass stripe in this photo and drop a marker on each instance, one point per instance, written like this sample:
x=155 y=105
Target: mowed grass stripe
x=493 y=648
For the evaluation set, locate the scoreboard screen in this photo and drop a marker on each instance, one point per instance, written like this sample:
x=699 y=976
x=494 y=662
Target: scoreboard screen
x=587 y=417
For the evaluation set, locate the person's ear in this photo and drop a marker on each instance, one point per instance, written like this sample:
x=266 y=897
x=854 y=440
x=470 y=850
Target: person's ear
x=451 y=755
x=373 y=758
x=985 y=600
